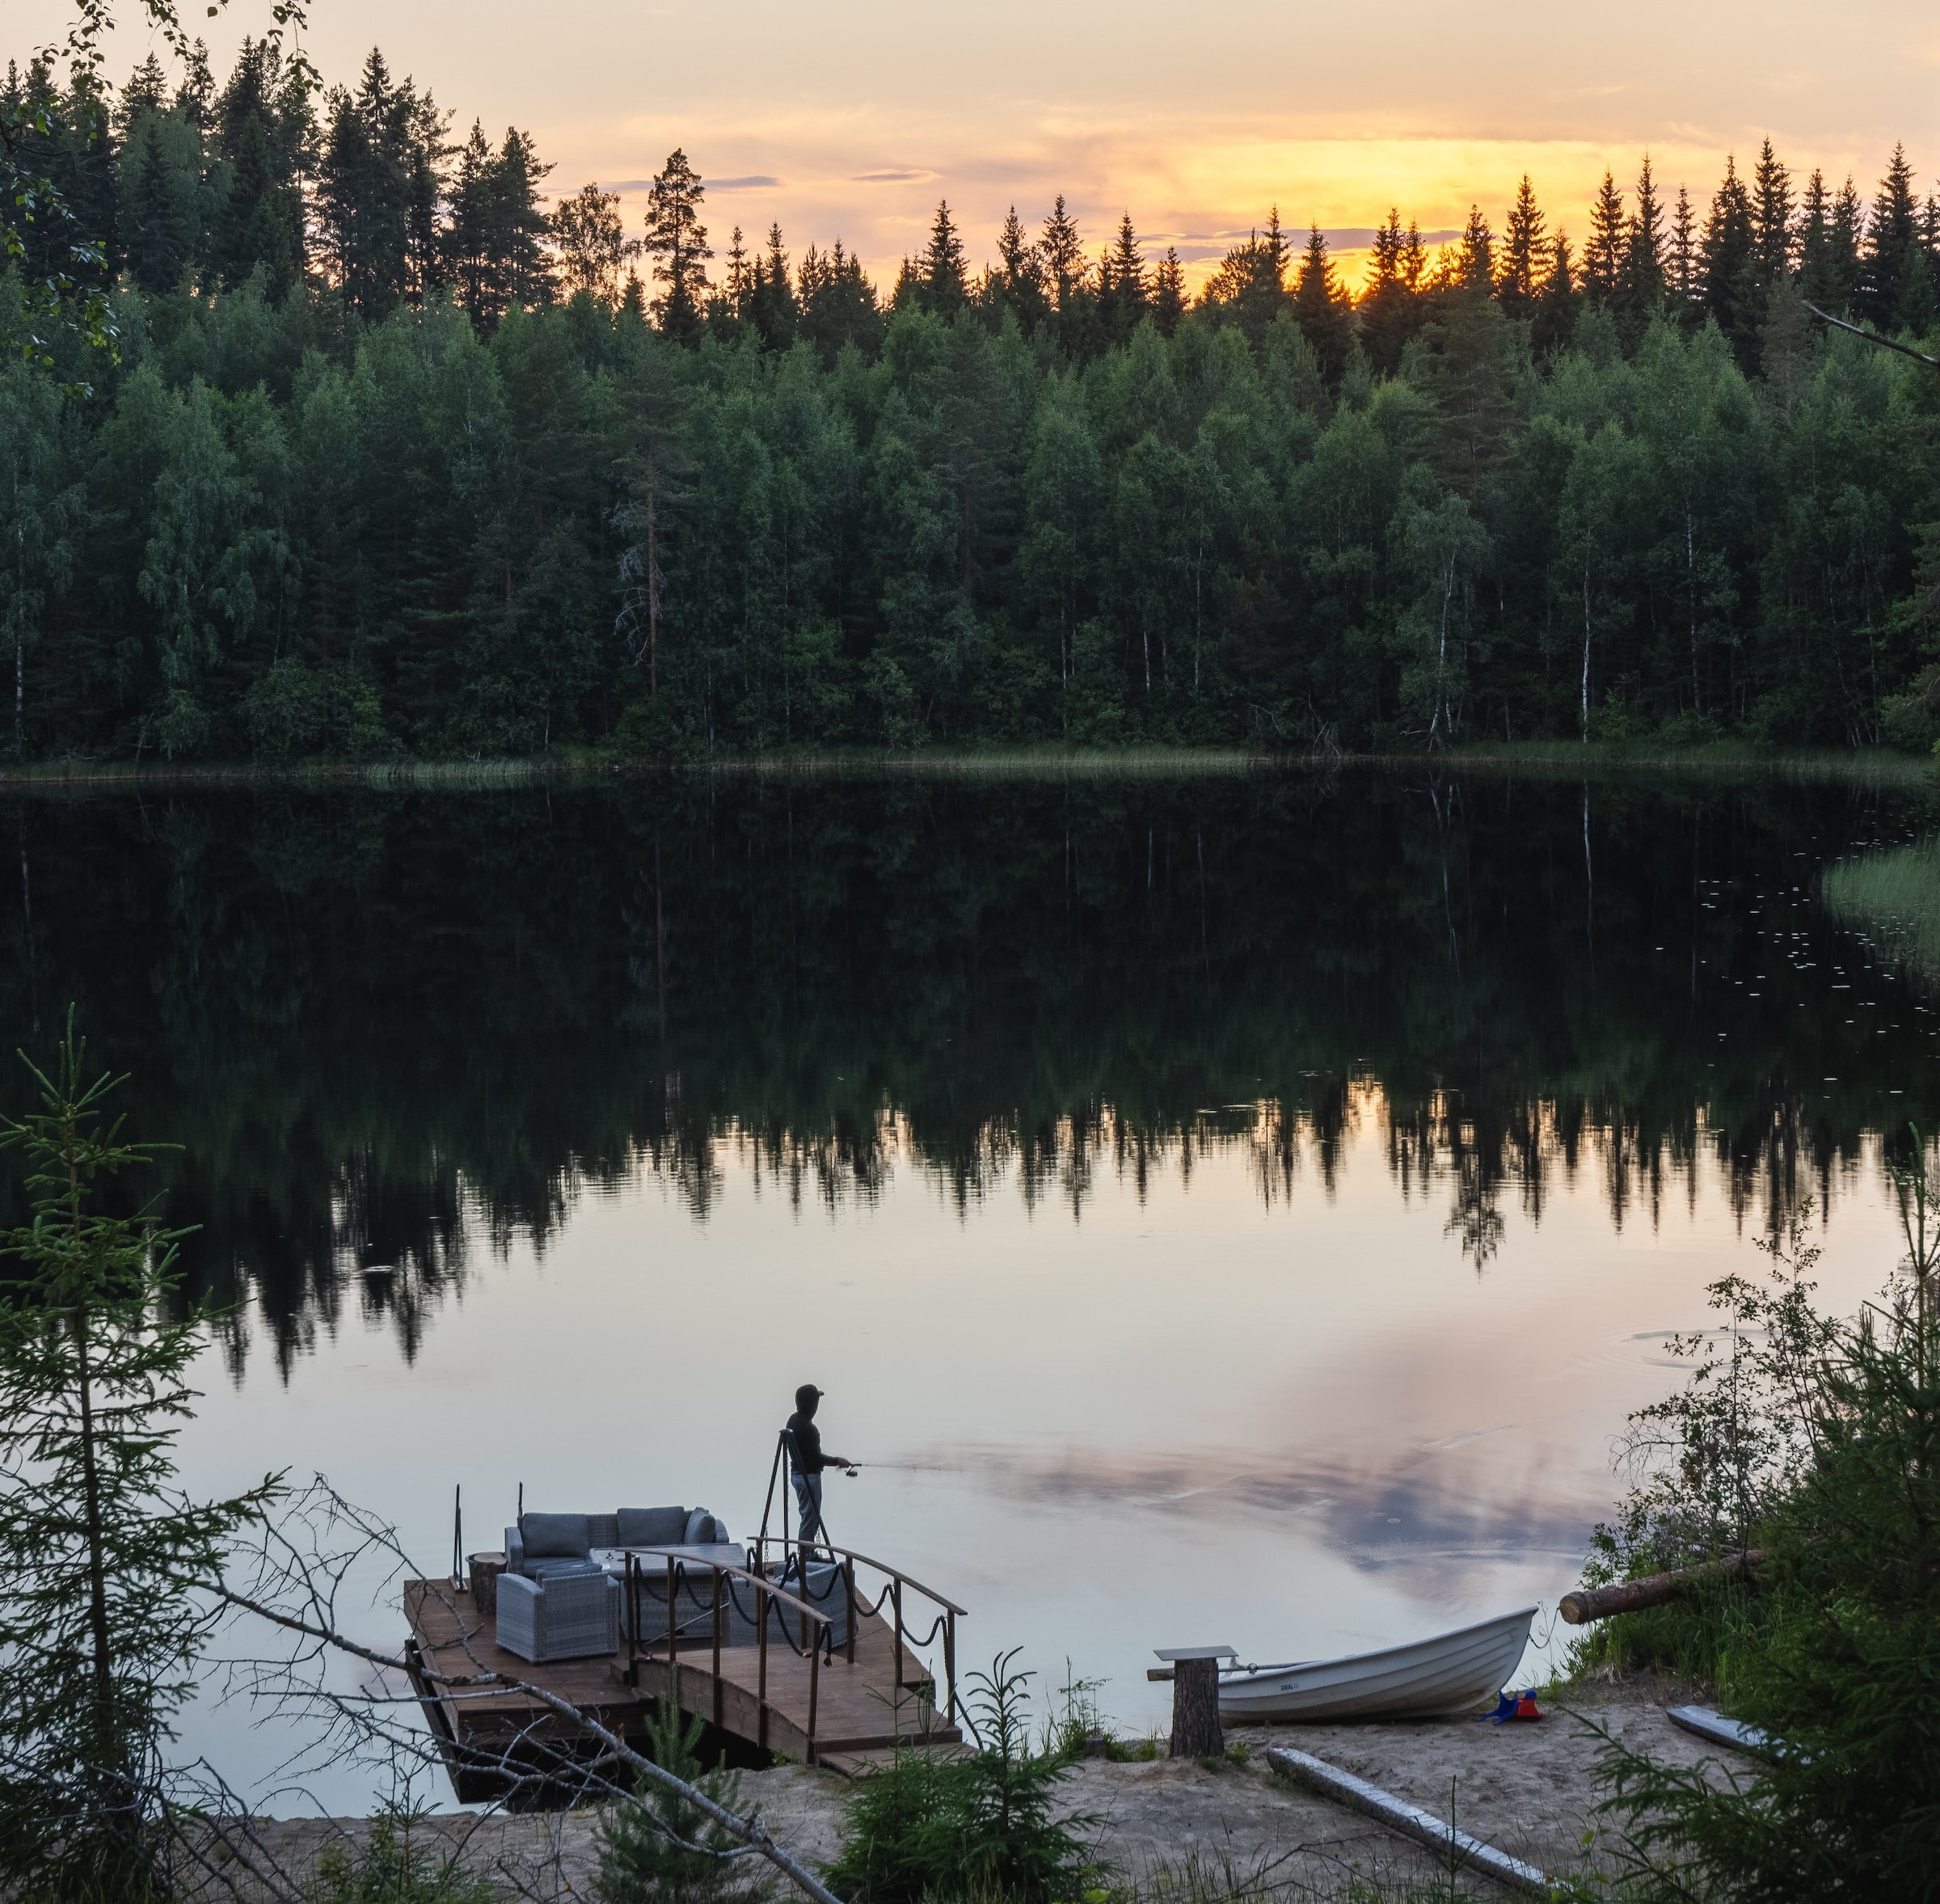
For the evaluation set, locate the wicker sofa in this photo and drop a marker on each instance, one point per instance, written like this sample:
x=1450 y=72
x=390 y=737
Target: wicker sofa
x=544 y=1543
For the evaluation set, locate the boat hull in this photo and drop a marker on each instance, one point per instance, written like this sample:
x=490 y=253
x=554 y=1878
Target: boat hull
x=1426 y=1678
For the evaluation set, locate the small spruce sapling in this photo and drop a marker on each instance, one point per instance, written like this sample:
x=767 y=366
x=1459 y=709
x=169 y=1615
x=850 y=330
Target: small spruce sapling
x=659 y=1848
x=102 y=1559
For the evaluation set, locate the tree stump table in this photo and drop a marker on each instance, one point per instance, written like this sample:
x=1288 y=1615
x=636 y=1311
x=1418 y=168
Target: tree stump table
x=485 y=1569
x=1195 y=1728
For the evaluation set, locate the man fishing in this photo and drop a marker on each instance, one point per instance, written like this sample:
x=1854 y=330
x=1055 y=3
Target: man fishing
x=807 y=1460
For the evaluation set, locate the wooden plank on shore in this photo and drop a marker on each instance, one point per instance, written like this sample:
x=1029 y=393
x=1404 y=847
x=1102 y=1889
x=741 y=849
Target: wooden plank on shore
x=1701 y=1722
x=1410 y=1819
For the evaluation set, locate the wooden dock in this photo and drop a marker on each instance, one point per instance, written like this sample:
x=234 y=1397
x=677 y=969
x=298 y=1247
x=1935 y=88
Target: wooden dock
x=844 y=1706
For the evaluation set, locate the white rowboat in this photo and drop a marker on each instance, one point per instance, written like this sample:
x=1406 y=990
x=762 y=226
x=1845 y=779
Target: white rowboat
x=1449 y=1673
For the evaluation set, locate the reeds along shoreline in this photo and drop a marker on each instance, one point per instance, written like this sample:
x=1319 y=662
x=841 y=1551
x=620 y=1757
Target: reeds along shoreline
x=1542 y=759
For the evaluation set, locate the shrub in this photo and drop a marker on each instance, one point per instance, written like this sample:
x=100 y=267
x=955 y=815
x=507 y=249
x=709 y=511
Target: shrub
x=1819 y=1441
x=393 y=1868
x=981 y=1826
x=660 y=1847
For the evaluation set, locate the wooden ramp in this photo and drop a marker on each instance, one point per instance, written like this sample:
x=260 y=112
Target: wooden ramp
x=846 y=1708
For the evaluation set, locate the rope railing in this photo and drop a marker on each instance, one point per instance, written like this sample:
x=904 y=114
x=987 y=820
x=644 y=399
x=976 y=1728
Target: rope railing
x=793 y=1602
x=798 y=1557
x=645 y=1582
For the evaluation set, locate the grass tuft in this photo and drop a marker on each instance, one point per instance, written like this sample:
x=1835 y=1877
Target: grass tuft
x=1892 y=898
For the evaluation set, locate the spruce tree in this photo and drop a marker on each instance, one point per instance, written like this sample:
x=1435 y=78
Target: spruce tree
x=1477 y=258
x=365 y=191
x=1682 y=269
x=468 y=237
x=1062 y=253
x=1124 y=292
x=522 y=269
x=1323 y=308
x=161 y=199
x=838 y=304
x=1387 y=311
x=195 y=93
x=1556 y=313
x=943 y=267
x=677 y=242
x=1829 y=246
x=1896 y=282
x=1641 y=296
x=772 y=305
x=1728 y=265
x=1772 y=238
x=146 y=91
x=1169 y=293
x=1020 y=276
x=1603 y=255
x=257 y=223
x=102 y=1562
x=1519 y=281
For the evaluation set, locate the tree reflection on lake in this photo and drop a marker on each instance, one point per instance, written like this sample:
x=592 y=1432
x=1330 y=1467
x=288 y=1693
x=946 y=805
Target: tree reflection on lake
x=391 y=1030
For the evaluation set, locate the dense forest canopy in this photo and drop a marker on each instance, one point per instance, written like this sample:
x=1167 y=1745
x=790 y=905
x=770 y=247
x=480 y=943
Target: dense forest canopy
x=401 y=456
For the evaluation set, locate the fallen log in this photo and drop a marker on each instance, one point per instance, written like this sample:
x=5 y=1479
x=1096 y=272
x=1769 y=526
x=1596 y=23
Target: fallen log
x=1460 y=1850
x=1655 y=1589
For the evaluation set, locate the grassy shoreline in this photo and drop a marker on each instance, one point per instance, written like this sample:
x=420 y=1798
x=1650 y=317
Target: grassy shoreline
x=1727 y=758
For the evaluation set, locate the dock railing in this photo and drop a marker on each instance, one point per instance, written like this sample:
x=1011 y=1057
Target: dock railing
x=771 y=1603
x=798 y=1557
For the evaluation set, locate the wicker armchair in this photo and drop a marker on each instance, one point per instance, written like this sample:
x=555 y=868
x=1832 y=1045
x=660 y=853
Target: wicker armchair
x=563 y=1616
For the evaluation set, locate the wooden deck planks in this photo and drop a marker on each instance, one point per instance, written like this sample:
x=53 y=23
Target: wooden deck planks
x=859 y=1710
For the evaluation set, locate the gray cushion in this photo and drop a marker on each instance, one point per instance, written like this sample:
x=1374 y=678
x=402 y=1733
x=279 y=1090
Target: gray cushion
x=560 y=1567
x=700 y=1529
x=554 y=1537
x=651 y=1526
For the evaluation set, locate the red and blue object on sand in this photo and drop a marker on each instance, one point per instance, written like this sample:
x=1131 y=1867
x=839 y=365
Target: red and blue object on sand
x=1514 y=1705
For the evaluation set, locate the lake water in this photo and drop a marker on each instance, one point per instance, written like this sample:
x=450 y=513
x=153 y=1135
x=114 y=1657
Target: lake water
x=1221 y=1209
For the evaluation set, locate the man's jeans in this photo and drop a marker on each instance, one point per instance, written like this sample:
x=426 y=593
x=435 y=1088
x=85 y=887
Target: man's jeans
x=808 y=1498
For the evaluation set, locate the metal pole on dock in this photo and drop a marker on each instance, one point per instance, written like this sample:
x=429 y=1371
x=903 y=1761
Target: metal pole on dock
x=633 y=1619
x=762 y=1606
x=719 y=1696
x=815 y=1668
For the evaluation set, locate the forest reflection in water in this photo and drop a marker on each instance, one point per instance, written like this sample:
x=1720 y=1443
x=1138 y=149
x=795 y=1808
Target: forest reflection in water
x=392 y=1030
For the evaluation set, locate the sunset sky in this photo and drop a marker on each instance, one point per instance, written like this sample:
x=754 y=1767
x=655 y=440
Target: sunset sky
x=853 y=119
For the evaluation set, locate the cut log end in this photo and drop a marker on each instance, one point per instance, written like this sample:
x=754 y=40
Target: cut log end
x=1634 y=1596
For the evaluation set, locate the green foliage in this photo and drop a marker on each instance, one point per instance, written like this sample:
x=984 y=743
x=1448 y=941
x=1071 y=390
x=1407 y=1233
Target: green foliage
x=1819 y=1440
x=394 y=1865
x=371 y=446
x=980 y=1826
x=659 y=1848
x=102 y=1563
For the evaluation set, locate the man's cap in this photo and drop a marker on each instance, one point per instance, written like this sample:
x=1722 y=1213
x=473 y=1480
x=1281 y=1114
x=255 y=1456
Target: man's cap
x=806 y=1390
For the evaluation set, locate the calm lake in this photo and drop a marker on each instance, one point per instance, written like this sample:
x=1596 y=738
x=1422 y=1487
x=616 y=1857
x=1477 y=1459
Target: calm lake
x=1232 y=1209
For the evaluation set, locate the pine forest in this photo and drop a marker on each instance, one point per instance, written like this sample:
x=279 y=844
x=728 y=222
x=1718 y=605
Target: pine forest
x=402 y=450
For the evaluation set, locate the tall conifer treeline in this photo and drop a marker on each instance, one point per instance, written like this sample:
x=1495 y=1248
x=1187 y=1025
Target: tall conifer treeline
x=398 y=459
